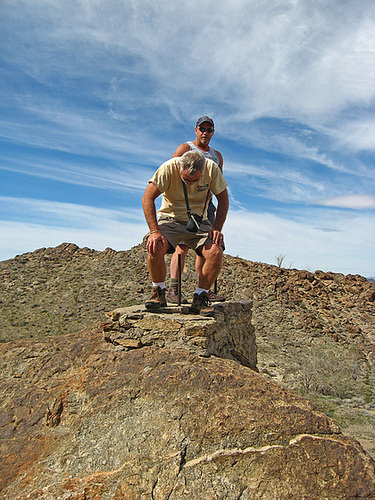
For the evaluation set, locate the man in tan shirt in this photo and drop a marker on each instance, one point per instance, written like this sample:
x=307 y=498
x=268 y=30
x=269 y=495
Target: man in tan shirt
x=200 y=177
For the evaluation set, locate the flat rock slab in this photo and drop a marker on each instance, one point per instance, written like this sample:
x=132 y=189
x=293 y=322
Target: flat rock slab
x=228 y=334
x=83 y=419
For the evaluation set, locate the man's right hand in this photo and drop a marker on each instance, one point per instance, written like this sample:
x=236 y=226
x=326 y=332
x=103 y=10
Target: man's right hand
x=153 y=241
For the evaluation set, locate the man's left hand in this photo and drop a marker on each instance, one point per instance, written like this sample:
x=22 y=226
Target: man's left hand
x=216 y=237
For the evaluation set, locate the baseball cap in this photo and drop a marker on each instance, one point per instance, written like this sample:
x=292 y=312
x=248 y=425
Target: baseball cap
x=203 y=119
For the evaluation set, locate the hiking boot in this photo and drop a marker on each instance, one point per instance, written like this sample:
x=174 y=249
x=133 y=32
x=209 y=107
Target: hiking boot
x=201 y=305
x=215 y=298
x=172 y=296
x=157 y=299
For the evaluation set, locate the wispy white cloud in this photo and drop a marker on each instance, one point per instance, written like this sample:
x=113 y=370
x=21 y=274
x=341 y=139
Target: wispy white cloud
x=357 y=135
x=300 y=182
x=48 y=125
x=355 y=201
x=25 y=237
x=63 y=214
x=32 y=224
x=280 y=183
x=339 y=243
x=125 y=177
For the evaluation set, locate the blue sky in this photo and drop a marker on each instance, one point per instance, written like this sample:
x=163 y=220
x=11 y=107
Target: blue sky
x=95 y=95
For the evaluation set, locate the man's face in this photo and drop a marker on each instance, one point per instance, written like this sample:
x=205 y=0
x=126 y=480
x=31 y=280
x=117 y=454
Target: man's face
x=191 y=179
x=204 y=133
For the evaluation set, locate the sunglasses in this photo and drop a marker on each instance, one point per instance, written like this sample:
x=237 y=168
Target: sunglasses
x=208 y=130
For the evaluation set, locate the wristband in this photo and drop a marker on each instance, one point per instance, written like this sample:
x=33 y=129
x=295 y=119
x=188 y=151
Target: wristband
x=156 y=231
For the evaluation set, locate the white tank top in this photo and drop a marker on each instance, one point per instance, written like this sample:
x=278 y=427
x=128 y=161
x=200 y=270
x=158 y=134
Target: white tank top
x=210 y=154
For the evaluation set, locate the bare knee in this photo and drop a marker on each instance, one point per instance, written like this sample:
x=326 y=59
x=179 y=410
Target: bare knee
x=182 y=249
x=158 y=250
x=212 y=252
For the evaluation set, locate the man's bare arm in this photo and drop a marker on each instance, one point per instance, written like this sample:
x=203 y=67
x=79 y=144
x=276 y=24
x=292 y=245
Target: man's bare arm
x=149 y=209
x=221 y=161
x=221 y=215
x=182 y=148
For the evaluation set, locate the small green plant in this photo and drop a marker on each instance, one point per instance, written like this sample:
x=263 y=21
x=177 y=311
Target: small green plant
x=76 y=289
x=10 y=315
x=279 y=260
x=75 y=292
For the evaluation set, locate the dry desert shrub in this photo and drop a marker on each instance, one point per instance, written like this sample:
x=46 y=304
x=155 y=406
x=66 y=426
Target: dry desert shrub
x=332 y=372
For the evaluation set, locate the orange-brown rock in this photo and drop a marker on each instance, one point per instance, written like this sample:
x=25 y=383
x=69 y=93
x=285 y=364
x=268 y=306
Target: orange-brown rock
x=87 y=418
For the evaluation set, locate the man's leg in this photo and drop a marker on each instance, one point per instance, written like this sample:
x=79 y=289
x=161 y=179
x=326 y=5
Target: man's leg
x=158 y=272
x=211 y=215
x=212 y=256
x=172 y=295
x=182 y=250
x=156 y=264
x=198 y=264
x=211 y=267
x=214 y=297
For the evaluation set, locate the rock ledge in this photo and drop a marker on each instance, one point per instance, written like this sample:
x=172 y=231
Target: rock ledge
x=229 y=334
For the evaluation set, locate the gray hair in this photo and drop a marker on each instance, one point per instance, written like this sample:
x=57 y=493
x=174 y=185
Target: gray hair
x=192 y=162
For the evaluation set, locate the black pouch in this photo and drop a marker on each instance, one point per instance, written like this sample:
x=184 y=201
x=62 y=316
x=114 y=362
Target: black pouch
x=194 y=220
x=193 y=223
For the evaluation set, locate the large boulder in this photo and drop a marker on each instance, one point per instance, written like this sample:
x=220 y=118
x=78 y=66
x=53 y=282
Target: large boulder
x=86 y=416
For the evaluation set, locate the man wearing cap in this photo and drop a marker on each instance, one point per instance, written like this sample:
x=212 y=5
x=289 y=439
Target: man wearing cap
x=204 y=131
x=190 y=177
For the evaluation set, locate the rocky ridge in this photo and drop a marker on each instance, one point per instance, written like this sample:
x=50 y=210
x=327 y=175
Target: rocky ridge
x=315 y=330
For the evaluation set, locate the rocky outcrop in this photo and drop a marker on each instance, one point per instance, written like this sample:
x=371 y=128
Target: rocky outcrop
x=229 y=335
x=134 y=408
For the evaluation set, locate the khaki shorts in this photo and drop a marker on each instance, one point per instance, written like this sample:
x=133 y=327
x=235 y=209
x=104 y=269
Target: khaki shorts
x=175 y=232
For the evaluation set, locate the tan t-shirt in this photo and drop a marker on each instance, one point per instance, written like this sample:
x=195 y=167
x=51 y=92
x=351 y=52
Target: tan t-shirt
x=168 y=181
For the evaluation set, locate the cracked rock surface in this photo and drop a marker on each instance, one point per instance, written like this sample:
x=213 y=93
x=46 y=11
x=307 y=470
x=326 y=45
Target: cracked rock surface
x=83 y=418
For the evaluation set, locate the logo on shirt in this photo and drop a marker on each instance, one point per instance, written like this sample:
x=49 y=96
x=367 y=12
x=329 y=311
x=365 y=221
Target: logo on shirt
x=203 y=187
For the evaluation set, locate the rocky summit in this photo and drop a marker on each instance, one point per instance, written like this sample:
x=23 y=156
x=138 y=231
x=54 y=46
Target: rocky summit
x=101 y=399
